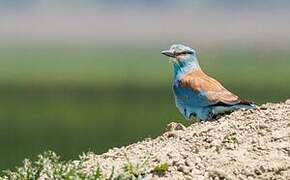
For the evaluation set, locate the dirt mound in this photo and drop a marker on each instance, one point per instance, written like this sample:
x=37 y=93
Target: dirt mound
x=247 y=144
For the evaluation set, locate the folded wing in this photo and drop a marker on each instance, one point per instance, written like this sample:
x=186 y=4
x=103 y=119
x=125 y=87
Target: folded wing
x=216 y=94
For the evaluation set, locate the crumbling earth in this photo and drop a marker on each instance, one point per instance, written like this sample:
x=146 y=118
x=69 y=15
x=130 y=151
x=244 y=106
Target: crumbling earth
x=247 y=144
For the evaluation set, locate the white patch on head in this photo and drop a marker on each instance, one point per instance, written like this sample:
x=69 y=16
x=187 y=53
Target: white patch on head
x=181 y=48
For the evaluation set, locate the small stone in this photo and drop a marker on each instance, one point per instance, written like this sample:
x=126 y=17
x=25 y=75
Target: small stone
x=189 y=163
x=258 y=172
x=262 y=169
x=250 y=178
x=175 y=127
x=262 y=132
x=171 y=135
x=263 y=108
x=183 y=169
x=188 y=177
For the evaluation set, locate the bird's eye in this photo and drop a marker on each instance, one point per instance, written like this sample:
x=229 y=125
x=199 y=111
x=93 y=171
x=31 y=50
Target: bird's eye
x=189 y=52
x=183 y=53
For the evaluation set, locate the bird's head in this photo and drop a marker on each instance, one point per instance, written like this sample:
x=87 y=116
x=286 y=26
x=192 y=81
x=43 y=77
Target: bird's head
x=179 y=52
x=184 y=59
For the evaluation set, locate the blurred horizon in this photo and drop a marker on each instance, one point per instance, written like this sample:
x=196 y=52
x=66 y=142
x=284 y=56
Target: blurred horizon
x=199 y=23
x=78 y=76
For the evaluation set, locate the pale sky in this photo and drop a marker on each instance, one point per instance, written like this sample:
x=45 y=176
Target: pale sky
x=98 y=23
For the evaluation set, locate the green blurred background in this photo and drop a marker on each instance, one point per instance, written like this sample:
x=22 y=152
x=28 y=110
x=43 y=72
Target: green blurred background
x=89 y=76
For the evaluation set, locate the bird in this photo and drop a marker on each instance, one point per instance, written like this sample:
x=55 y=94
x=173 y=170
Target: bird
x=197 y=95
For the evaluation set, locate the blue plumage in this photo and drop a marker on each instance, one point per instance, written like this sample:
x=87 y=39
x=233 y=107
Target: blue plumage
x=196 y=94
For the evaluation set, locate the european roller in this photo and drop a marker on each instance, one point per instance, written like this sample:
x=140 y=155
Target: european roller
x=196 y=94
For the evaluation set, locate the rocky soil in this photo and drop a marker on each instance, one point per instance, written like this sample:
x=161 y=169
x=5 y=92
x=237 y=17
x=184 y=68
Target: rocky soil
x=247 y=144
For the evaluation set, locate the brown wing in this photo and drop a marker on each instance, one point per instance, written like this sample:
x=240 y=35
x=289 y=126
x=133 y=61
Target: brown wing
x=216 y=94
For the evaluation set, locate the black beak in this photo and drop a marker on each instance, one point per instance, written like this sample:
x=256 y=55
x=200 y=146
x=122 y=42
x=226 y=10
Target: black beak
x=168 y=53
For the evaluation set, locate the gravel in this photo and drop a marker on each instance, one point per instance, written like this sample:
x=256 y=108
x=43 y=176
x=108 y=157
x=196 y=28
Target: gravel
x=247 y=144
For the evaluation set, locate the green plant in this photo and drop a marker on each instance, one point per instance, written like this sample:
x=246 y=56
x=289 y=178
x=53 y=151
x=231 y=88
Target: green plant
x=160 y=169
x=50 y=166
x=230 y=138
x=134 y=171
